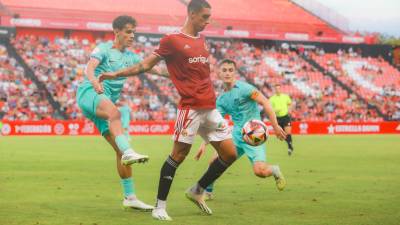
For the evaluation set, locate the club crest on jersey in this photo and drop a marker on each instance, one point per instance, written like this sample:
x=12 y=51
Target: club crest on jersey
x=198 y=59
x=184 y=133
x=186 y=46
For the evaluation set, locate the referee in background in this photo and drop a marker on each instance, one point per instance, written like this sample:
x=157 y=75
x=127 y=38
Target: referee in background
x=281 y=103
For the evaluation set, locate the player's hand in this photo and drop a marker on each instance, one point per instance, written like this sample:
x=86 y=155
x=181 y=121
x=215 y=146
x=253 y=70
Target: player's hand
x=157 y=70
x=107 y=76
x=280 y=133
x=200 y=152
x=98 y=87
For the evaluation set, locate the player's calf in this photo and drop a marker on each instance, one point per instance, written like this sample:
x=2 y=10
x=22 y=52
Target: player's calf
x=261 y=170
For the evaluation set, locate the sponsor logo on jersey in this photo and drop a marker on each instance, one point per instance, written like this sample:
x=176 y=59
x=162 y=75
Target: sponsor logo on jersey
x=198 y=59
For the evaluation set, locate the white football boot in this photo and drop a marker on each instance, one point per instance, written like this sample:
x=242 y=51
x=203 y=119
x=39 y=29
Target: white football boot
x=198 y=199
x=159 y=213
x=133 y=202
x=130 y=157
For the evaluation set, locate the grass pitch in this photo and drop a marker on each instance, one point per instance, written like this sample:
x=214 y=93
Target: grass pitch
x=334 y=180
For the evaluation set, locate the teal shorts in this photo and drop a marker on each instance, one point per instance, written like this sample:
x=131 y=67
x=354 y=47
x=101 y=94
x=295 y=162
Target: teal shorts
x=253 y=153
x=88 y=100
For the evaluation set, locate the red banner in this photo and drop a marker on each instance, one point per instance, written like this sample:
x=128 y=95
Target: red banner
x=167 y=128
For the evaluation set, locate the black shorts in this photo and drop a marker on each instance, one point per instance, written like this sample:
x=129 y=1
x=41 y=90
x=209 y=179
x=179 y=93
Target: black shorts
x=284 y=121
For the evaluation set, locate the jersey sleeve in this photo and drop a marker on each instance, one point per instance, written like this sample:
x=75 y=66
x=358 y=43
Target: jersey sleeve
x=98 y=53
x=249 y=91
x=165 y=49
x=220 y=107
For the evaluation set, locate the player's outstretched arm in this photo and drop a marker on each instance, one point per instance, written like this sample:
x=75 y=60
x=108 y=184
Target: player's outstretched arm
x=89 y=71
x=139 y=68
x=262 y=100
x=201 y=151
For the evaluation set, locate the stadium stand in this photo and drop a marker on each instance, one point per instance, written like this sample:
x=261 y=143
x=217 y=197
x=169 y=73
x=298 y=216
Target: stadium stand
x=317 y=97
x=20 y=99
x=373 y=78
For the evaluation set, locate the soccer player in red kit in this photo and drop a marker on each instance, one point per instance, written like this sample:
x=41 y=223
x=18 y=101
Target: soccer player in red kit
x=186 y=56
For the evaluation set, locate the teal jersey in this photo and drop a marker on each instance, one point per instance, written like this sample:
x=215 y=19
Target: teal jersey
x=238 y=103
x=112 y=60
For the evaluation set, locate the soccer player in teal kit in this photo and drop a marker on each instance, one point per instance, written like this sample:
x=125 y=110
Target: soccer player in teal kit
x=240 y=100
x=97 y=101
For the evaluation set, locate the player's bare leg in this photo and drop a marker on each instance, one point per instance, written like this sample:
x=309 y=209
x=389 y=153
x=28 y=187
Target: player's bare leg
x=108 y=111
x=125 y=173
x=263 y=170
x=226 y=156
x=179 y=153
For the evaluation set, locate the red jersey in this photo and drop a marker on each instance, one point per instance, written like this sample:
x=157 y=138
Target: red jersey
x=187 y=62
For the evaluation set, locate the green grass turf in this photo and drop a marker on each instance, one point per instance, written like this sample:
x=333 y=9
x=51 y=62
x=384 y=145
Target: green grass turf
x=331 y=180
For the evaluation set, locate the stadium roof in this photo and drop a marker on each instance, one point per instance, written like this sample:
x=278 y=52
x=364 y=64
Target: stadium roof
x=275 y=19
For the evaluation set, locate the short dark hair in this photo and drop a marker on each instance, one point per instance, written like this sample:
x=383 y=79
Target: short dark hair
x=120 y=22
x=228 y=61
x=197 y=5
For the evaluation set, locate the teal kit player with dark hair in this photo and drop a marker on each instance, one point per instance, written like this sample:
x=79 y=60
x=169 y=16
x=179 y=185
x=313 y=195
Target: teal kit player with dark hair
x=97 y=101
x=240 y=100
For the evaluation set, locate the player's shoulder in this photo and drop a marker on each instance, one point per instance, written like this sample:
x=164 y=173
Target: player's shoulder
x=221 y=97
x=241 y=83
x=244 y=85
x=101 y=48
x=171 y=35
x=104 y=45
x=132 y=54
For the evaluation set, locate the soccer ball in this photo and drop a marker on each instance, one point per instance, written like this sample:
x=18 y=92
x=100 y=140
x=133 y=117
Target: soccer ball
x=254 y=132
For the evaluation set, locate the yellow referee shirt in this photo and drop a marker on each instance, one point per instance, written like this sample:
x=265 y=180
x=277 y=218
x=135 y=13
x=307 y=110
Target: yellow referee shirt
x=280 y=104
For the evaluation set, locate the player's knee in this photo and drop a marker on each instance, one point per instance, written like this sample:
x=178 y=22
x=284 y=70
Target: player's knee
x=230 y=157
x=114 y=114
x=179 y=156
